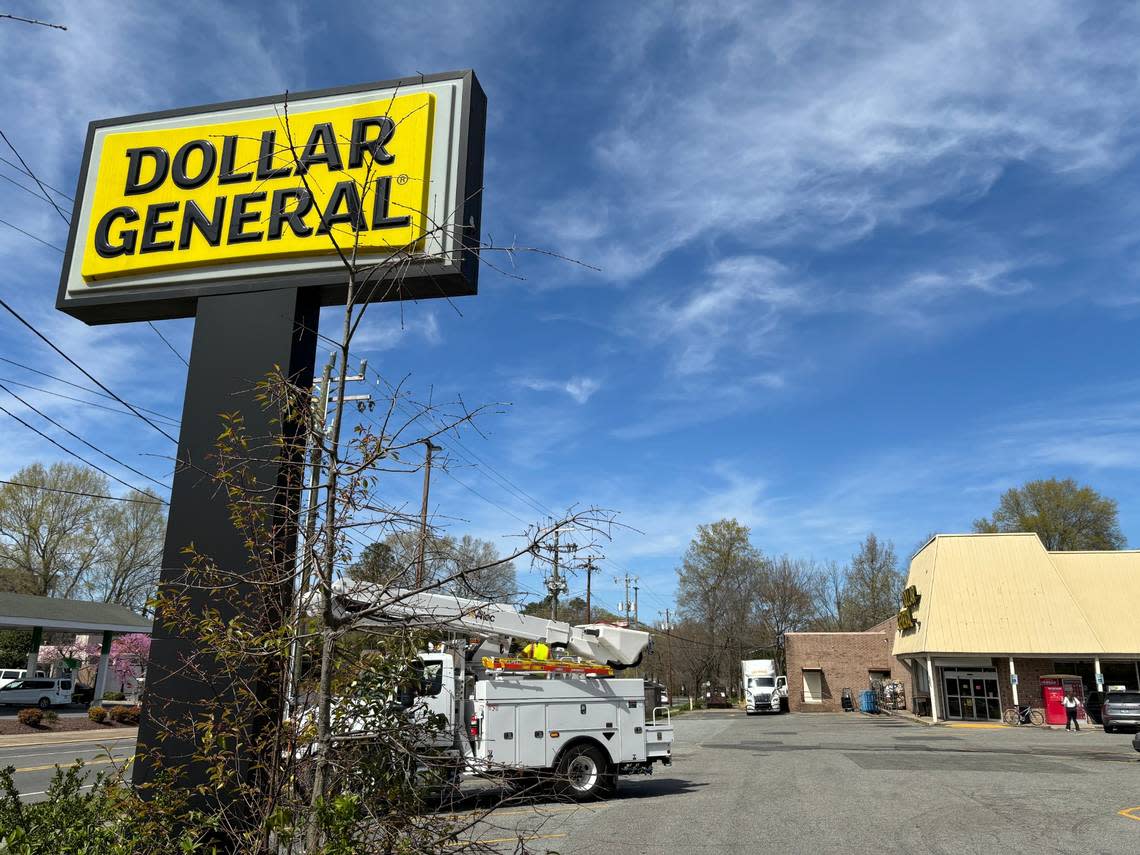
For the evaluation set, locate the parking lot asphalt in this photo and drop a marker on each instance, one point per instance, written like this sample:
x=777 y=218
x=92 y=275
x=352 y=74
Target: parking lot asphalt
x=808 y=784
x=832 y=783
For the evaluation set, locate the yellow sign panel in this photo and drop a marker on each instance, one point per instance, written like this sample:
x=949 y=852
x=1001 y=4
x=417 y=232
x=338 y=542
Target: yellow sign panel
x=257 y=189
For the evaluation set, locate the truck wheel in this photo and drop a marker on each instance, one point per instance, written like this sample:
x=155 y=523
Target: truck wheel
x=44 y=703
x=583 y=773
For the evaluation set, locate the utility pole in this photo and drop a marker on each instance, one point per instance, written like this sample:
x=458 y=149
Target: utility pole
x=556 y=585
x=635 y=581
x=589 y=573
x=322 y=395
x=668 y=627
x=625 y=603
x=430 y=446
x=557 y=582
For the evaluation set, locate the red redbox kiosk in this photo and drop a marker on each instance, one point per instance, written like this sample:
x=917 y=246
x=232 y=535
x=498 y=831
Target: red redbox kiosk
x=1053 y=688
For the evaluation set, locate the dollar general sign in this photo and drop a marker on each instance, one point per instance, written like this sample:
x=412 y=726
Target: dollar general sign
x=272 y=193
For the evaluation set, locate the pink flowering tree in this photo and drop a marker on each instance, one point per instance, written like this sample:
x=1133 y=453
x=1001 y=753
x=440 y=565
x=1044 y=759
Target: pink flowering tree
x=71 y=656
x=129 y=655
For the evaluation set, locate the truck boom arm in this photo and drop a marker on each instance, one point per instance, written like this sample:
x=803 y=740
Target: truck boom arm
x=613 y=645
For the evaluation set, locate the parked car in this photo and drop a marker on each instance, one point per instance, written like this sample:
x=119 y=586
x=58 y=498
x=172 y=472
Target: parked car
x=41 y=692
x=1136 y=741
x=1120 y=709
x=82 y=694
x=9 y=675
x=717 y=698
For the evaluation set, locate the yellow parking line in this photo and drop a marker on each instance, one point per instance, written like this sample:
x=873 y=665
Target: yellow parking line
x=1131 y=813
x=491 y=841
x=47 y=766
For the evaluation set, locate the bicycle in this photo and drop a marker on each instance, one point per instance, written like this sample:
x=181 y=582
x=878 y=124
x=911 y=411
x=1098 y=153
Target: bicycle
x=1023 y=714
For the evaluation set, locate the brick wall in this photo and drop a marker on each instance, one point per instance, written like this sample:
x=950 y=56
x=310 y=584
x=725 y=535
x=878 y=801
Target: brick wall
x=845 y=659
x=1029 y=673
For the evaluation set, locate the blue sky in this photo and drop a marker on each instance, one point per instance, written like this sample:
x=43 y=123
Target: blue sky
x=862 y=266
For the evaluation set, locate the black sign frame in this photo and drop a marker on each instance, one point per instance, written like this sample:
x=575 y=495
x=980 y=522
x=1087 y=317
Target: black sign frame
x=433 y=277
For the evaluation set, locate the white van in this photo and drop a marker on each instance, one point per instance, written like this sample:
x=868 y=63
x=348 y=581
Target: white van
x=7 y=675
x=42 y=692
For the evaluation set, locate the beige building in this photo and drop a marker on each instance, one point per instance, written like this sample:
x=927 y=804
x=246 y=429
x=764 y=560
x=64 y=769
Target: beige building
x=993 y=620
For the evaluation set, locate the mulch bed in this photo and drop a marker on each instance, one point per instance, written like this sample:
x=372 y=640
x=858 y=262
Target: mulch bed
x=9 y=727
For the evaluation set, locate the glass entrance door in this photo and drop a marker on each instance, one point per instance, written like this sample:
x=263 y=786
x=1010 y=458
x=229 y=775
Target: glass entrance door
x=972 y=695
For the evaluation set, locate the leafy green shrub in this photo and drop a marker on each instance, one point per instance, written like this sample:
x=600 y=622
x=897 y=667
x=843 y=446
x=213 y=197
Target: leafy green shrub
x=97 y=714
x=32 y=717
x=108 y=819
x=114 y=696
x=50 y=716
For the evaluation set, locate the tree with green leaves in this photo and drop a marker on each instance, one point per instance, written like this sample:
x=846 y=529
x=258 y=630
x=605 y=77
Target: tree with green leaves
x=61 y=537
x=1065 y=515
x=50 y=541
x=719 y=582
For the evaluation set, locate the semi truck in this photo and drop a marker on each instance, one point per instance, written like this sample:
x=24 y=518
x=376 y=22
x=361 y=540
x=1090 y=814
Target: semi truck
x=555 y=710
x=764 y=689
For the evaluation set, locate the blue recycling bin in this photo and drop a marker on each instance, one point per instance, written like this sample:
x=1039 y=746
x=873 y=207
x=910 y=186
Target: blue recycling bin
x=867 y=702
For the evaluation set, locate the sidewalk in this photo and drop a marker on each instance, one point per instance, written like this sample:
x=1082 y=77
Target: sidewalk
x=21 y=740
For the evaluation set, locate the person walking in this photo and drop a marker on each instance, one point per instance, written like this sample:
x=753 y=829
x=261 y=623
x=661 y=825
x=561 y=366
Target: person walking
x=1071 y=707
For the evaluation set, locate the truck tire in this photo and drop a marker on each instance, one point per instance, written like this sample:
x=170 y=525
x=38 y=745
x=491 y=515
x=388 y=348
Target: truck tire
x=583 y=773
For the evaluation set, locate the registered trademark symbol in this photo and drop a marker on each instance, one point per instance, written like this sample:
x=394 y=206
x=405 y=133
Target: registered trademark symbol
x=402 y=178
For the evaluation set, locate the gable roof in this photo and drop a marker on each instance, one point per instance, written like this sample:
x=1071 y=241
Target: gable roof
x=26 y=611
x=1004 y=593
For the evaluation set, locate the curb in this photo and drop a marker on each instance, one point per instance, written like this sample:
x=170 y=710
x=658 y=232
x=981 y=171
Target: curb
x=21 y=740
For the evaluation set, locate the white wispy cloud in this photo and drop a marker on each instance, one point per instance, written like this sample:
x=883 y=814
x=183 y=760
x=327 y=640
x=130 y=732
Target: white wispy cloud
x=579 y=388
x=381 y=330
x=820 y=123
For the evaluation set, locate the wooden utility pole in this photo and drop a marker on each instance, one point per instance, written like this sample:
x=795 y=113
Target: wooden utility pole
x=320 y=413
x=589 y=573
x=556 y=582
x=420 y=563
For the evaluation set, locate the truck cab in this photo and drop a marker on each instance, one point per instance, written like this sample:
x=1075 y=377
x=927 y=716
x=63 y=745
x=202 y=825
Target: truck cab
x=764 y=689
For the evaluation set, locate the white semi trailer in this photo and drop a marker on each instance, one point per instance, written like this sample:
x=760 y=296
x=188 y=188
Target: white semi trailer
x=565 y=716
x=764 y=689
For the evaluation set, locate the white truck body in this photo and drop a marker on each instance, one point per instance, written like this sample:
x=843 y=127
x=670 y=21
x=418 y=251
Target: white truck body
x=587 y=729
x=527 y=723
x=764 y=689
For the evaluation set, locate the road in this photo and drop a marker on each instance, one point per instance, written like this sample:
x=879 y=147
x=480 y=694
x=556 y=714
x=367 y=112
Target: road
x=849 y=784
x=35 y=764
x=815 y=784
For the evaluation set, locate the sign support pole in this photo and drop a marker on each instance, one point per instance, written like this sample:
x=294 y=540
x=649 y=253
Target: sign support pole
x=238 y=340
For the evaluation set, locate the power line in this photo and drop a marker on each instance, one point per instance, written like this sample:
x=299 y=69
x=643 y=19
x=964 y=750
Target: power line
x=43 y=391
x=158 y=333
x=484 y=498
x=17 y=167
x=82 y=370
x=33 y=175
x=87 y=495
x=23 y=187
x=67 y=450
x=78 y=438
x=32 y=21
x=83 y=389
x=32 y=236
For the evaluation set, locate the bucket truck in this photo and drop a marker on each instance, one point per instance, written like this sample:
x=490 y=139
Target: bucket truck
x=555 y=711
